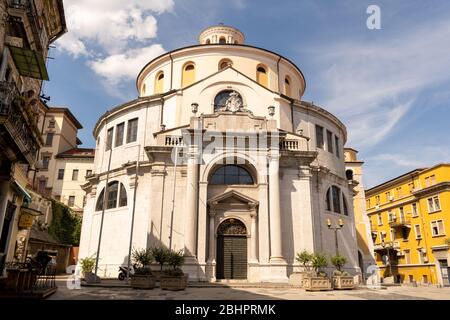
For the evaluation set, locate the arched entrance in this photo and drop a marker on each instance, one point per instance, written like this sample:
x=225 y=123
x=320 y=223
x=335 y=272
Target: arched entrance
x=232 y=250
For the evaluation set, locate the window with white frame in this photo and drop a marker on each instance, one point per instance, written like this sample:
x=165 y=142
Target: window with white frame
x=418 y=231
x=391 y=216
x=392 y=234
x=415 y=210
x=402 y=214
x=380 y=219
x=422 y=255
x=407 y=257
x=434 y=204
x=437 y=228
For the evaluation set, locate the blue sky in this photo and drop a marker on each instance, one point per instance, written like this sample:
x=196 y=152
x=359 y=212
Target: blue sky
x=391 y=87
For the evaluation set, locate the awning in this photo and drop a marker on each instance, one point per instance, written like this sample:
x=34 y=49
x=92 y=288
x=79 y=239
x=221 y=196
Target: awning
x=22 y=190
x=29 y=63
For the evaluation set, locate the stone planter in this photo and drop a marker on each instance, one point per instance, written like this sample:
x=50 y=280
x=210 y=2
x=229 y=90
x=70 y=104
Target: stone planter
x=142 y=282
x=296 y=279
x=90 y=277
x=157 y=274
x=174 y=283
x=316 y=284
x=343 y=282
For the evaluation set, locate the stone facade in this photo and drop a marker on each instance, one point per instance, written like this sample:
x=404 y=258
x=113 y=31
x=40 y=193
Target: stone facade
x=245 y=118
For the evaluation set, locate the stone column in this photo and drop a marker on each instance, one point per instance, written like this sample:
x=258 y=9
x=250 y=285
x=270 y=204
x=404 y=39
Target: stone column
x=212 y=238
x=191 y=208
x=254 y=239
x=276 y=255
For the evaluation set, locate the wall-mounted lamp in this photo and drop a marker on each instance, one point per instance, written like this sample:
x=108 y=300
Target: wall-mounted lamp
x=271 y=111
x=194 y=107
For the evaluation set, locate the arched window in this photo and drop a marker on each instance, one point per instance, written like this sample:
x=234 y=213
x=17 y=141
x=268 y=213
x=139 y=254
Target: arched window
x=188 y=76
x=231 y=175
x=221 y=99
x=349 y=174
x=159 y=82
x=113 y=198
x=287 y=86
x=334 y=198
x=222 y=40
x=261 y=75
x=225 y=63
x=208 y=41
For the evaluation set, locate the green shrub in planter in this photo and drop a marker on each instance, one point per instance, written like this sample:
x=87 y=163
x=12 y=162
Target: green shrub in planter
x=318 y=262
x=142 y=277
x=174 y=278
x=87 y=266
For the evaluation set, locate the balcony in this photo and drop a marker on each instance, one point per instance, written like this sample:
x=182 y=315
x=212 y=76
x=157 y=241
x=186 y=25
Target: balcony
x=400 y=223
x=391 y=245
x=173 y=141
x=21 y=140
x=289 y=145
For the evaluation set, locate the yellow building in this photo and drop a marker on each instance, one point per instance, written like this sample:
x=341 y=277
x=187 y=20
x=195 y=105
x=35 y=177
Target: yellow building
x=410 y=223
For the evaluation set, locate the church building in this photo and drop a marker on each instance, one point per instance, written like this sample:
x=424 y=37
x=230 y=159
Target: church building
x=220 y=157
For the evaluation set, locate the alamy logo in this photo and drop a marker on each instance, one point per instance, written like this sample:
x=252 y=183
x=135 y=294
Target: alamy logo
x=374 y=19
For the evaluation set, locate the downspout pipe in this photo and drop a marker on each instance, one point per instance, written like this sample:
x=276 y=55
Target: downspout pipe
x=278 y=74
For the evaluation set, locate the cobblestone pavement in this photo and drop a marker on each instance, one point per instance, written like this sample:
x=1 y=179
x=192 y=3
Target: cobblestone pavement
x=392 y=293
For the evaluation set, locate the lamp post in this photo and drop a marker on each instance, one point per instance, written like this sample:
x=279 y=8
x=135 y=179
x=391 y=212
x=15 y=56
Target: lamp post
x=336 y=229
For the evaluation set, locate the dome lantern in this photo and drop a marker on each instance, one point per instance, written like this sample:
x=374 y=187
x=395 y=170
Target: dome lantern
x=221 y=34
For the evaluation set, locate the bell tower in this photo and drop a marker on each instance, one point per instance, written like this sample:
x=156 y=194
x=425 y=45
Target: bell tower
x=221 y=34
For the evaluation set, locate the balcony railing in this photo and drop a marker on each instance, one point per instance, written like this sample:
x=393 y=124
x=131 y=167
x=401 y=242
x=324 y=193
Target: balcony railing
x=13 y=121
x=400 y=223
x=289 y=145
x=174 y=141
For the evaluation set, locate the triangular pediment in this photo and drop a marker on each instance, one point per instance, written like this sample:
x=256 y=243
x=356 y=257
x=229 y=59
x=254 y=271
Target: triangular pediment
x=232 y=197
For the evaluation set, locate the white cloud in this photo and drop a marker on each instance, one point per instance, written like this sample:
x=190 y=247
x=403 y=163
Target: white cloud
x=122 y=67
x=372 y=85
x=114 y=36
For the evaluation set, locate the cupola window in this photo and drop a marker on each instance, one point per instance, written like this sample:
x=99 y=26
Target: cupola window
x=261 y=76
x=159 y=83
x=188 y=76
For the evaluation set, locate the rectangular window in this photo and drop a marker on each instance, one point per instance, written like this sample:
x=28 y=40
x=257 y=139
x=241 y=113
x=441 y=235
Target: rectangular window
x=418 y=231
x=368 y=203
x=61 y=174
x=88 y=173
x=330 y=141
x=415 y=211
x=45 y=162
x=132 y=130
x=319 y=137
x=120 y=130
x=388 y=196
x=427 y=182
x=380 y=219
x=377 y=200
x=411 y=187
x=49 y=140
x=42 y=185
x=407 y=257
x=392 y=234
x=51 y=124
x=402 y=214
x=75 y=175
x=71 y=202
x=336 y=142
x=391 y=216
x=434 y=204
x=422 y=256
x=437 y=228
x=399 y=192
x=432 y=180
x=109 y=139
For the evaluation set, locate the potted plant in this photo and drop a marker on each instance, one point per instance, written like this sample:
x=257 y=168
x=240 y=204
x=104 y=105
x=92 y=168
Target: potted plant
x=142 y=278
x=320 y=280
x=87 y=266
x=174 y=279
x=341 y=279
x=304 y=258
x=160 y=255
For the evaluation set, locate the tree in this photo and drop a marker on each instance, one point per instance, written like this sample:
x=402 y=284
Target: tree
x=305 y=259
x=318 y=262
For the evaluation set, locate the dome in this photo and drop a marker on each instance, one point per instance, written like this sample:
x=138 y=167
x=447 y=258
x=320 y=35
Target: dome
x=221 y=34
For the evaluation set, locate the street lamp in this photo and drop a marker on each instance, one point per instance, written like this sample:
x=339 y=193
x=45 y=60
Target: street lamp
x=336 y=229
